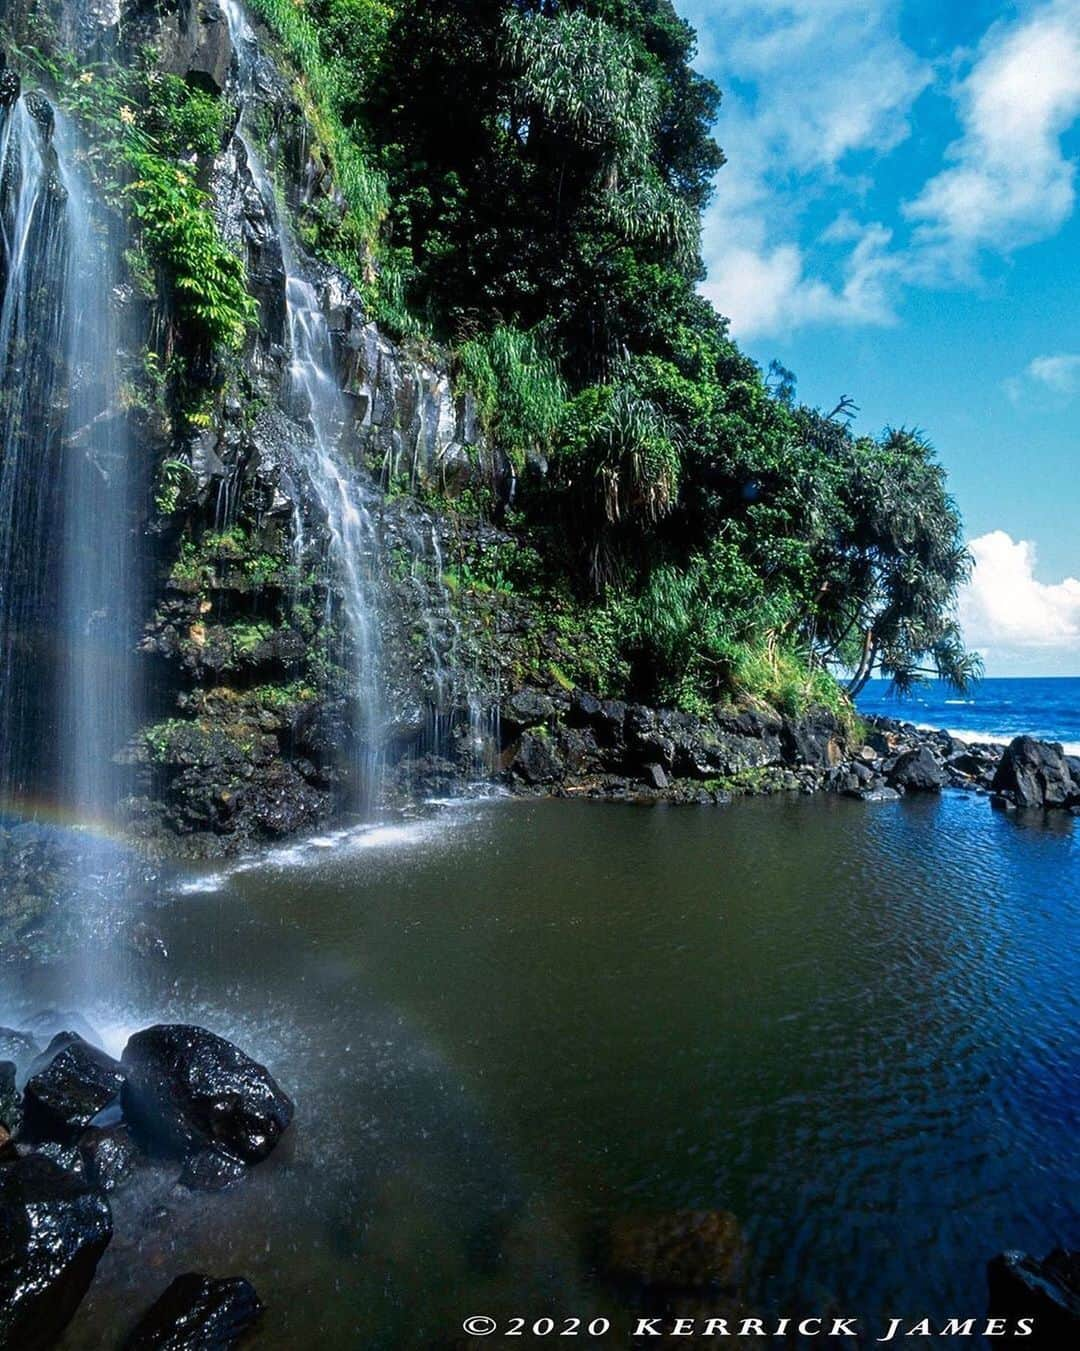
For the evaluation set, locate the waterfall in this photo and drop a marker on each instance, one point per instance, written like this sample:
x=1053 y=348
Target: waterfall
x=385 y=562
x=346 y=497
x=100 y=589
x=68 y=599
x=34 y=262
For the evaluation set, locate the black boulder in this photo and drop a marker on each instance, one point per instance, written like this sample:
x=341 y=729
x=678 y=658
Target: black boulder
x=188 y=1090
x=197 y=1313
x=67 y=1088
x=54 y=1226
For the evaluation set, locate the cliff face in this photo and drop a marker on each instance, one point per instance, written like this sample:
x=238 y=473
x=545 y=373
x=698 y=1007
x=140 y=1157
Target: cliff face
x=297 y=638
x=320 y=615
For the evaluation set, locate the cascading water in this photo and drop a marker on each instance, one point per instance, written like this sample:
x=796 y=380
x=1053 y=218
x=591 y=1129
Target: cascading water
x=346 y=498
x=386 y=564
x=34 y=239
x=100 y=586
x=68 y=593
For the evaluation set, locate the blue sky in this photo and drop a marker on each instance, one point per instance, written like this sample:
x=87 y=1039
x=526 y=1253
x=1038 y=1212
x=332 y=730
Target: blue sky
x=898 y=222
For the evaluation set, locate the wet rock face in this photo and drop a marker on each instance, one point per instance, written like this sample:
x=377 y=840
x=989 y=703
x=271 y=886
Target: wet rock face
x=197 y=1313
x=1036 y=774
x=10 y=86
x=54 y=1226
x=72 y=1082
x=188 y=1090
x=10 y=1106
x=1047 y=1291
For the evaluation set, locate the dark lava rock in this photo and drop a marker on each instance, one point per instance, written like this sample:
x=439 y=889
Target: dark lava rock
x=110 y=1155
x=18 y=1047
x=188 y=1090
x=526 y=708
x=68 y=1086
x=1047 y=1291
x=10 y=88
x=680 y=1250
x=211 y=1171
x=917 y=771
x=656 y=777
x=816 y=740
x=198 y=1313
x=967 y=763
x=536 y=760
x=10 y=1106
x=54 y=1227
x=1036 y=774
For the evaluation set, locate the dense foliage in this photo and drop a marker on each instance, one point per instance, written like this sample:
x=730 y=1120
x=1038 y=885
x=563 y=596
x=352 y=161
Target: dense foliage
x=546 y=164
x=523 y=181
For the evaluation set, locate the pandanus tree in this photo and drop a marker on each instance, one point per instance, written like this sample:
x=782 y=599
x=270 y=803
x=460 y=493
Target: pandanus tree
x=890 y=559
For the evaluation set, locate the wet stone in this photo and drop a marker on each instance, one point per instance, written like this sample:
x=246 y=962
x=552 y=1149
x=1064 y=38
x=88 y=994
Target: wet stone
x=54 y=1226
x=68 y=1087
x=198 y=1313
x=188 y=1090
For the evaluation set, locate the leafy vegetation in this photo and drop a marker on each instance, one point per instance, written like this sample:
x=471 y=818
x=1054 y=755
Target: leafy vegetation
x=545 y=168
x=149 y=129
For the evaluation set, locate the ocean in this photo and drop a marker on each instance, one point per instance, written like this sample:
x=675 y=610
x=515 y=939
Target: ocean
x=994 y=710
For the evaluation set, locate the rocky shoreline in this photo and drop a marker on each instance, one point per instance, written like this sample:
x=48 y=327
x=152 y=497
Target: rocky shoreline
x=582 y=746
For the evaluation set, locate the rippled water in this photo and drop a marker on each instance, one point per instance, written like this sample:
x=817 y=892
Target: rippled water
x=855 y=1027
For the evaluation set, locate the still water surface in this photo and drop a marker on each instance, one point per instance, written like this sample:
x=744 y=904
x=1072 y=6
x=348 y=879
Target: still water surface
x=857 y=1027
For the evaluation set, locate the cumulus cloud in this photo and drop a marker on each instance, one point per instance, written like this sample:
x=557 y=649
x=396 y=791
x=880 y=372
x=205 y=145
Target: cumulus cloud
x=1007 y=613
x=1008 y=182
x=806 y=85
x=811 y=84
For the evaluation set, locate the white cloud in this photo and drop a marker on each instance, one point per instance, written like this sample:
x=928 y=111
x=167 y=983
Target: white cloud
x=768 y=288
x=1059 y=373
x=1057 y=376
x=831 y=77
x=811 y=83
x=1008 y=183
x=1008 y=614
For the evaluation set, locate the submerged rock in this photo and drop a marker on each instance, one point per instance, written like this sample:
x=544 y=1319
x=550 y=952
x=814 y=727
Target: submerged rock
x=680 y=1250
x=917 y=771
x=1036 y=774
x=212 y=1171
x=1047 y=1291
x=68 y=1086
x=54 y=1227
x=198 y=1313
x=188 y=1090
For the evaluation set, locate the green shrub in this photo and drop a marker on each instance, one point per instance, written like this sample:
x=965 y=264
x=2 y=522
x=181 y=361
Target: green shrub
x=520 y=394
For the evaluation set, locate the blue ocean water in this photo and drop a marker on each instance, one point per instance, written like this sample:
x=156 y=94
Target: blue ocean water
x=994 y=710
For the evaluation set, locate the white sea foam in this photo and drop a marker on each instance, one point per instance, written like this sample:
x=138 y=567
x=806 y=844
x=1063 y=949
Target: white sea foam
x=970 y=737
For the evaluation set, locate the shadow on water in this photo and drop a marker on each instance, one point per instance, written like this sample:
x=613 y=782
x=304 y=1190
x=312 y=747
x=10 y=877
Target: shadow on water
x=511 y=1022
